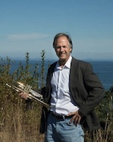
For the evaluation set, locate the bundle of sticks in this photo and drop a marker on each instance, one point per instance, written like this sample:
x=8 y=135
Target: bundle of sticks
x=20 y=87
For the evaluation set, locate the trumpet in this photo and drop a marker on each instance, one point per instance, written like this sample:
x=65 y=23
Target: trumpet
x=20 y=87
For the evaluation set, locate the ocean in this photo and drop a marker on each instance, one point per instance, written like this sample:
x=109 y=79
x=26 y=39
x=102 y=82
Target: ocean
x=103 y=69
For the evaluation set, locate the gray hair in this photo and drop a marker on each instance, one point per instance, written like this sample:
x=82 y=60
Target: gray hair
x=60 y=35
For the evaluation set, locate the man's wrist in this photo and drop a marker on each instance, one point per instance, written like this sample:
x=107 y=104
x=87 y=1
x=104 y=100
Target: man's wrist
x=80 y=113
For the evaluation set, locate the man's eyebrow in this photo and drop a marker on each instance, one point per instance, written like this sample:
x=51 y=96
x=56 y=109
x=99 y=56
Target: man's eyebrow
x=60 y=46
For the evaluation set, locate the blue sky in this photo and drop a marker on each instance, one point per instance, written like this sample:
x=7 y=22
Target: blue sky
x=30 y=26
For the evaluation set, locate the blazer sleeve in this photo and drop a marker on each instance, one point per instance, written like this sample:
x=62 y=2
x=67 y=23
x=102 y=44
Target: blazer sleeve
x=94 y=88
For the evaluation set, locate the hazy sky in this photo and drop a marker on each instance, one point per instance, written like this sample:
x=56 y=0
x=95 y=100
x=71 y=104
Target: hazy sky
x=30 y=26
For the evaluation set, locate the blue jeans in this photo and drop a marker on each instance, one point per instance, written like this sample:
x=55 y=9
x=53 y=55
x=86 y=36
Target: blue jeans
x=63 y=131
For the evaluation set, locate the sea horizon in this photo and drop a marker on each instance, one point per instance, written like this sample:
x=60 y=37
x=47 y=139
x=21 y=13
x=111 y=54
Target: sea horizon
x=102 y=68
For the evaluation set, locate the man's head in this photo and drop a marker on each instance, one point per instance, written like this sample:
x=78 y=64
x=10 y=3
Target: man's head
x=60 y=35
x=62 y=44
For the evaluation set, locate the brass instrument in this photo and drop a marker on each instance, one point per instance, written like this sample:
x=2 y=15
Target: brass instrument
x=20 y=87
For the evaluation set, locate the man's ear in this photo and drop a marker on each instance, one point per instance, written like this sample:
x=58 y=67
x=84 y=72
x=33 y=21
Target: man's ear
x=70 y=49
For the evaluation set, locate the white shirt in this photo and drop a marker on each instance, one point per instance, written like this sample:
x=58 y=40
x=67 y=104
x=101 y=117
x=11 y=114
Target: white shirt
x=61 y=101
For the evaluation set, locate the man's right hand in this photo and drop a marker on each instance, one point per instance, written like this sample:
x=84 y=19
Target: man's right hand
x=24 y=95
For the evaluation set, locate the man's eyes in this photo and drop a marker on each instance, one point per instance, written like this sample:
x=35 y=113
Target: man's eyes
x=61 y=46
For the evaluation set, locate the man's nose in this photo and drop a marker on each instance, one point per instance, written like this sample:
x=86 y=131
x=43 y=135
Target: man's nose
x=61 y=48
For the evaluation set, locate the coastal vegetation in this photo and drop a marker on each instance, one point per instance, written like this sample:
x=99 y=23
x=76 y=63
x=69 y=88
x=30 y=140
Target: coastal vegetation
x=20 y=119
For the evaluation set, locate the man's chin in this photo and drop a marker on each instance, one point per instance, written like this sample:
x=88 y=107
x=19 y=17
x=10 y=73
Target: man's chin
x=62 y=58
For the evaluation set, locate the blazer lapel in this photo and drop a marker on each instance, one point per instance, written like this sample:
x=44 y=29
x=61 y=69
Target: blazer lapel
x=73 y=73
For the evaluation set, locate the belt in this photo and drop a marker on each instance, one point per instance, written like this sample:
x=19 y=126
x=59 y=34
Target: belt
x=60 y=117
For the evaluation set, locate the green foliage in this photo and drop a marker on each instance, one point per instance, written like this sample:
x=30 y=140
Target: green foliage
x=17 y=118
x=42 y=68
x=105 y=113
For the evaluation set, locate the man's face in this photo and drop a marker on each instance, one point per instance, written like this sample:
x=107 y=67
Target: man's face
x=63 y=48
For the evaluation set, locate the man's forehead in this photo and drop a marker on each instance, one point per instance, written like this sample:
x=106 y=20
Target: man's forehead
x=62 y=40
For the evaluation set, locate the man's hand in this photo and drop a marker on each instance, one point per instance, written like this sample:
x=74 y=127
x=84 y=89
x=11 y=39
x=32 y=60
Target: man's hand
x=76 y=117
x=24 y=95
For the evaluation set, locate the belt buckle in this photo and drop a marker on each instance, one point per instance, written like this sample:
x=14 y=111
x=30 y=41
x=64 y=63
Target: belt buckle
x=60 y=117
x=64 y=117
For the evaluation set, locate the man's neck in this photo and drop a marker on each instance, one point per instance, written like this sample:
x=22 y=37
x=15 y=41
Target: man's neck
x=62 y=62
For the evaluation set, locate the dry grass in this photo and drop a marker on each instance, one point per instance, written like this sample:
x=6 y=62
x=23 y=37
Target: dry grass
x=19 y=124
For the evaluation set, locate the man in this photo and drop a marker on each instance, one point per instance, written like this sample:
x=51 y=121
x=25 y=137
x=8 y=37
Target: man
x=73 y=91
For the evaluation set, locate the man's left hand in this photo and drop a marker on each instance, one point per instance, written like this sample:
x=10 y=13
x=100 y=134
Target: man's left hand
x=76 y=117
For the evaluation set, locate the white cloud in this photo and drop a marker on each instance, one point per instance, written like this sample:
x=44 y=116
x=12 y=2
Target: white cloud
x=94 y=45
x=29 y=36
